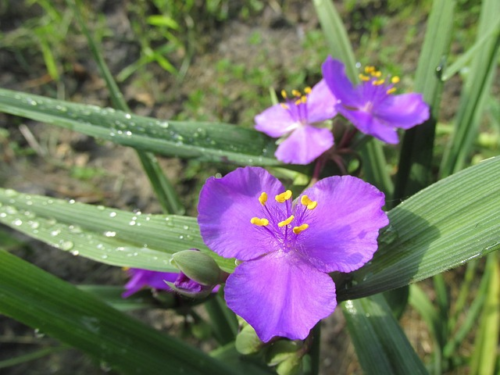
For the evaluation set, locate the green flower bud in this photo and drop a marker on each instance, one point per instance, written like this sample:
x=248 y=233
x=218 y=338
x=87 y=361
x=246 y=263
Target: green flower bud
x=290 y=366
x=197 y=266
x=281 y=350
x=247 y=341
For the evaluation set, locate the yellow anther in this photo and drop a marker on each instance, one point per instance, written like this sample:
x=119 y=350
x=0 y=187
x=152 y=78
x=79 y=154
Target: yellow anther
x=378 y=82
x=363 y=77
x=303 y=99
x=283 y=94
x=296 y=93
x=284 y=105
x=259 y=222
x=125 y=268
x=300 y=229
x=395 y=79
x=376 y=73
x=307 y=90
x=306 y=201
x=369 y=69
x=283 y=196
x=298 y=101
x=390 y=91
x=263 y=198
x=286 y=222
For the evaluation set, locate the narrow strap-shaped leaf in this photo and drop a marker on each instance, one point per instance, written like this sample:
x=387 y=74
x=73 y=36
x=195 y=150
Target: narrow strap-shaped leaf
x=42 y=301
x=445 y=225
x=381 y=345
x=214 y=142
x=415 y=162
x=474 y=93
x=484 y=357
x=107 y=235
x=30 y=356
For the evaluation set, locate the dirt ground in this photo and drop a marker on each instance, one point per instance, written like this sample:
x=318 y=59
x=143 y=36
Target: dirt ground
x=116 y=177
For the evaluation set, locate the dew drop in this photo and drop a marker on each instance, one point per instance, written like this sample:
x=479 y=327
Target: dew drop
x=109 y=233
x=55 y=232
x=104 y=256
x=132 y=223
x=17 y=222
x=128 y=116
x=75 y=253
x=112 y=214
x=67 y=245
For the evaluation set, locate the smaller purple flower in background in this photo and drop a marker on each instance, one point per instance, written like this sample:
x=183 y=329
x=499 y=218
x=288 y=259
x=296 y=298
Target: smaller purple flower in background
x=157 y=280
x=282 y=288
x=371 y=106
x=297 y=121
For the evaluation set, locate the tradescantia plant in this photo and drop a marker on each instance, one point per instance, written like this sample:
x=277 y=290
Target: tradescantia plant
x=266 y=266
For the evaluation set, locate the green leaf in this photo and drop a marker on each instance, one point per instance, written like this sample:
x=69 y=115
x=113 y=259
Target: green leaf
x=381 y=345
x=215 y=142
x=415 y=162
x=112 y=295
x=224 y=322
x=107 y=235
x=475 y=92
x=445 y=225
x=30 y=356
x=241 y=364
x=60 y=310
x=164 y=190
x=485 y=353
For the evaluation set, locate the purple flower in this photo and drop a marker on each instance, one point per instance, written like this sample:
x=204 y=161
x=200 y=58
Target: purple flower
x=371 y=106
x=157 y=280
x=283 y=288
x=296 y=121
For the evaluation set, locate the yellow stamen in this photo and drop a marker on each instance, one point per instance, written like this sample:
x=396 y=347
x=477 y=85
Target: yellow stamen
x=395 y=79
x=390 y=91
x=280 y=198
x=259 y=222
x=263 y=198
x=284 y=105
x=298 y=101
x=307 y=90
x=306 y=201
x=376 y=73
x=286 y=222
x=369 y=69
x=125 y=268
x=303 y=99
x=283 y=94
x=378 y=82
x=300 y=229
x=363 y=77
x=296 y=93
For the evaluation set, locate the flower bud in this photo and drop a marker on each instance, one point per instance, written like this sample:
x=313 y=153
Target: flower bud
x=247 y=341
x=198 y=267
x=290 y=366
x=282 y=350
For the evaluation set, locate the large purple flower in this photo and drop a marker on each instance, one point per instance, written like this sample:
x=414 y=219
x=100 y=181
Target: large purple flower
x=283 y=288
x=372 y=106
x=157 y=280
x=297 y=122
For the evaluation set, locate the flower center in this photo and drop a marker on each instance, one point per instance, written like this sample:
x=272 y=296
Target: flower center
x=297 y=104
x=373 y=76
x=283 y=221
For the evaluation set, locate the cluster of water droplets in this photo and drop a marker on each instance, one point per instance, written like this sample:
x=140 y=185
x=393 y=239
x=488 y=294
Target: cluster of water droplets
x=201 y=140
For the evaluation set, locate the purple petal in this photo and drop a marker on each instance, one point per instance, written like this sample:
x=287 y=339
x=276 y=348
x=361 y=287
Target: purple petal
x=340 y=86
x=320 y=103
x=343 y=228
x=185 y=283
x=145 y=278
x=275 y=121
x=368 y=124
x=304 y=145
x=280 y=295
x=403 y=111
x=226 y=207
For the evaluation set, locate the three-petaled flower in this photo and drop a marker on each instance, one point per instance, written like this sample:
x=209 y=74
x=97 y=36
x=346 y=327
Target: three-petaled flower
x=372 y=106
x=297 y=121
x=282 y=288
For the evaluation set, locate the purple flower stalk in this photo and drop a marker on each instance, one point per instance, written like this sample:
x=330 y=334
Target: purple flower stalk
x=157 y=280
x=296 y=122
x=282 y=288
x=372 y=106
